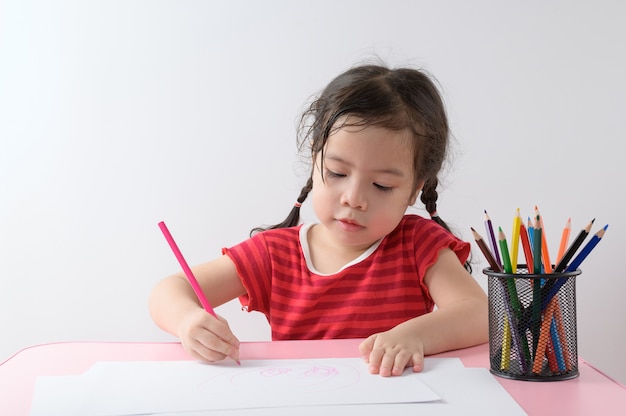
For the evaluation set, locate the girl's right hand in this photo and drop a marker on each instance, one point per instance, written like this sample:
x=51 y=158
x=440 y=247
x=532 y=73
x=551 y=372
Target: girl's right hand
x=207 y=338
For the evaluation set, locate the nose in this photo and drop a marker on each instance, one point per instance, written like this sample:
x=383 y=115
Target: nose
x=354 y=195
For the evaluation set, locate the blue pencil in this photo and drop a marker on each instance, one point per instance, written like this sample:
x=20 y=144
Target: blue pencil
x=531 y=231
x=556 y=343
x=586 y=250
x=574 y=265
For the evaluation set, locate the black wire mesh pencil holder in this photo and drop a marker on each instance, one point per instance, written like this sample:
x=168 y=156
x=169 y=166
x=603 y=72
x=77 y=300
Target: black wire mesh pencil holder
x=532 y=325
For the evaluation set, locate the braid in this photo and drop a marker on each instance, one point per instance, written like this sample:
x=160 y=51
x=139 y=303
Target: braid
x=429 y=199
x=429 y=196
x=294 y=215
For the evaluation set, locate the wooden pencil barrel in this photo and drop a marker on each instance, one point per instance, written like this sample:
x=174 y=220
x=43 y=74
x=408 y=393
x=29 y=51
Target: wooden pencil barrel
x=532 y=325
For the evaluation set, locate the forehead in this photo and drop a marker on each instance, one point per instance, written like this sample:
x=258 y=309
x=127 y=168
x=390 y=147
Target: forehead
x=371 y=147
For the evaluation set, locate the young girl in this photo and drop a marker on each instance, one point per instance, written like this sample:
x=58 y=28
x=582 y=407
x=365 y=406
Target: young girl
x=378 y=137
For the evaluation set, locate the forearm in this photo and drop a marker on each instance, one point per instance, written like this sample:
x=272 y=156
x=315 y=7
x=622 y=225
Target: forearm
x=459 y=325
x=170 y=301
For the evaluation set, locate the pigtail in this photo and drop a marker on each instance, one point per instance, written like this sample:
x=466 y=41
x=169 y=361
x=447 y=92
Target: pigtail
x=429 y=199
x=294 y=215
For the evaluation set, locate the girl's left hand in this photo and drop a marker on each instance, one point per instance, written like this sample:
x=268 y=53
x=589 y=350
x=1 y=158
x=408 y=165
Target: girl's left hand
x=389 y=353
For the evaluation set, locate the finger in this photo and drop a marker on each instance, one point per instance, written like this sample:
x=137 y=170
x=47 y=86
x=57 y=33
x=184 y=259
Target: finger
x=375 y=358
x=387 y=364
x=224 y=333
x=218 y=338
x=209 y=347
x=400 y=362
x=365 y=347
x=418 y=362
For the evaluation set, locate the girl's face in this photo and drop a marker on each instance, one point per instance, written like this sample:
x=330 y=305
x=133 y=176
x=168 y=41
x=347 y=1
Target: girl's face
x=366 y=184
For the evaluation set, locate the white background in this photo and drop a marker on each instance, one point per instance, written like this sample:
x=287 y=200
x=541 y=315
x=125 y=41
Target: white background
x=115 y=115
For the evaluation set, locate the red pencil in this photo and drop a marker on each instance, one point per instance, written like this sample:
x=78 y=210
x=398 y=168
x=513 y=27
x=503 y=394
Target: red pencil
x=528 y=253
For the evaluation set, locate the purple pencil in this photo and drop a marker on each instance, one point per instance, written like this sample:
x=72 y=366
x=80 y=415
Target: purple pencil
x=492 y=238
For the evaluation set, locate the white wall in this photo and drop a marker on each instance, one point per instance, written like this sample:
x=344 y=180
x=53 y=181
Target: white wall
x=115 y=115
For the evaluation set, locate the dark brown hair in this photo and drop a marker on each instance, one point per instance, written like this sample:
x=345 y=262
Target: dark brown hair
x=395 y=99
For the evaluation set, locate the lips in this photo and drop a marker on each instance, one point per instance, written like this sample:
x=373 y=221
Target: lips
x=349 y=225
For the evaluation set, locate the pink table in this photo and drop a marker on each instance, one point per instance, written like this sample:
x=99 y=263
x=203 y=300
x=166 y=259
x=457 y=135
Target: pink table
x=589 y=394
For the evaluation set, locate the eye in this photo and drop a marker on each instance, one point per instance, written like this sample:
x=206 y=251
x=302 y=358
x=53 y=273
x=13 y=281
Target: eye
x=383 y=188
x=331 y=174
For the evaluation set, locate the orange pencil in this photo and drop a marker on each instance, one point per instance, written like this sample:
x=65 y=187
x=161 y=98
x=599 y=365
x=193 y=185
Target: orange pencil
x=551 y=354
x=564 y=239
x=544 y=336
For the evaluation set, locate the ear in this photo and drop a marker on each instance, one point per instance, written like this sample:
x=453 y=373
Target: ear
x=418 y=189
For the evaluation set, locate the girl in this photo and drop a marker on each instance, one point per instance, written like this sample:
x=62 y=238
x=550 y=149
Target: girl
x=378 y=137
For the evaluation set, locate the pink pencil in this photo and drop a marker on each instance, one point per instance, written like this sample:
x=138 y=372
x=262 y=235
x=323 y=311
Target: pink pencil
x=192 y=279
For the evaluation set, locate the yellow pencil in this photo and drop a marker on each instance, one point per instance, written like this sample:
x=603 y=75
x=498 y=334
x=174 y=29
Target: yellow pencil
x=515 y=240
x=505 y=360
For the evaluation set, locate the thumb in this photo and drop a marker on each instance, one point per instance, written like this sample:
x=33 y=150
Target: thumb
x=365 y=347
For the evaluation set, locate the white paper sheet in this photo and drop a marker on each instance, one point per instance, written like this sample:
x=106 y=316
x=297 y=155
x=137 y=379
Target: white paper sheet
x=464 y=391
x=133 y=388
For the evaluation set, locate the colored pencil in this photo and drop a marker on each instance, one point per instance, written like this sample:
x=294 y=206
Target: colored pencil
x=558 y=283
x=586 y=250
x=520 y=345
x=510 y=283
x=547 y=264
x=548 y=287
x=536 y=283
x=564 y=239
x=531 y=231
x=492 y=238
x=528 y=252
x=509 y=320
x=505 y=359
x=557 y=341
x=495 y=266
x=537 y=246
x=183 y=263
x=515 y=236
x=190 y=276
x=550 y=353
x=504 y=250
x=544 y=336
x=573 y=247
x=561 y=335
x=513 y=305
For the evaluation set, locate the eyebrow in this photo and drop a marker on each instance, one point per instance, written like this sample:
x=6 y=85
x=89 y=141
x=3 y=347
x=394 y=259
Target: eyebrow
x=389 y=171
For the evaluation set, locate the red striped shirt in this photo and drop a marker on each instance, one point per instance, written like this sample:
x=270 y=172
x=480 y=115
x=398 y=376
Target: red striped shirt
x=377 y=293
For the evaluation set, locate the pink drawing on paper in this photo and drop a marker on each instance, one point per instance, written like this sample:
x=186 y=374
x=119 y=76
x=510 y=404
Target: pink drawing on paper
x=305 y=378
